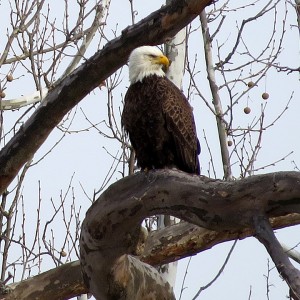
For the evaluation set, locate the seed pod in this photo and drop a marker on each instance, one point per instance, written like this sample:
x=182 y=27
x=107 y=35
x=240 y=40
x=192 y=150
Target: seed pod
x=265 y=96
x=250 y=84
x=9 y=77
x=247 y=110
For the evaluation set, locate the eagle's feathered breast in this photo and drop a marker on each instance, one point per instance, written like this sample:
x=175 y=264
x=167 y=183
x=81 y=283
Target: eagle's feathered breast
x=160 y=124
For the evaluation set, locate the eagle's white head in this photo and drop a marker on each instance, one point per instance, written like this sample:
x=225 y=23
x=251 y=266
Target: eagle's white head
x=145 y=61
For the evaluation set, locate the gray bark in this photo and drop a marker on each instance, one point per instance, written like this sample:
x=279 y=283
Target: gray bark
x=63 y=282
x=111 y=227
x=276 y=194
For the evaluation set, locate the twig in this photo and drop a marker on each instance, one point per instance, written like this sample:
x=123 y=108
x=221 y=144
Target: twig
x=184 y=277
x=219 y=273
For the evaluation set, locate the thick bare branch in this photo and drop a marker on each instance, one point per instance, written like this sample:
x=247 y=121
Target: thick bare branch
x=184 y=239
x=111 y=226
x=163 y=246
x=138 y=280
x=63 y=282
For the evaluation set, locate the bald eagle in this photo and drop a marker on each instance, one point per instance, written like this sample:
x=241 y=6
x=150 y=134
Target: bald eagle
x=157 y=116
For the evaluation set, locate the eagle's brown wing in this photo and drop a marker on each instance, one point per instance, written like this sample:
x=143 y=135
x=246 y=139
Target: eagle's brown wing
x=180 y=122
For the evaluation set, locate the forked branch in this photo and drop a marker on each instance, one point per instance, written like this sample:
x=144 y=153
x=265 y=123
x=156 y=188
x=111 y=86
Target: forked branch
x=160 y=247
x=111 y=226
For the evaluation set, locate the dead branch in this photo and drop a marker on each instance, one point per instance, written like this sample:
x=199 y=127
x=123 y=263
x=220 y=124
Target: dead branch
x=185 y=239
x=218 y=110
x=63 y=282
x=266 y=236
x=111 y=226
x=180 y=240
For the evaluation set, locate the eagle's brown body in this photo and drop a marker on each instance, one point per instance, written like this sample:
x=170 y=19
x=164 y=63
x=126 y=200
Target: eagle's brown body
x=160 y=124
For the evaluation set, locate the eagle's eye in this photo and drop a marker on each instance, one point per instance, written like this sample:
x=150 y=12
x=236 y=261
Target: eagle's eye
x=152 y=55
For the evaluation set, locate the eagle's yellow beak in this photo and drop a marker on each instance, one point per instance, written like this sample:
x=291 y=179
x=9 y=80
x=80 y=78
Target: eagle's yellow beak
x=162 y=60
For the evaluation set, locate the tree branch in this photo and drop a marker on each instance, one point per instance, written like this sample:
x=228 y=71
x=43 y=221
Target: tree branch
x=218 y=110
x=111 y=226
x=266 y=236
x=184 y=239
x=63 y=282
x=160 y=247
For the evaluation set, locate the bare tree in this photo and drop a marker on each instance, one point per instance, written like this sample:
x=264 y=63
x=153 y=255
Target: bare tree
x=44 y=47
